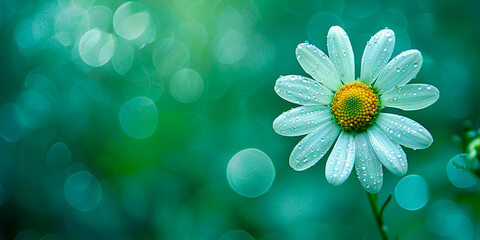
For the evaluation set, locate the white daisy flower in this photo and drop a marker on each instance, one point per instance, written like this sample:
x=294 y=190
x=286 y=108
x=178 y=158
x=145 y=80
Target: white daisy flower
x=338 y=109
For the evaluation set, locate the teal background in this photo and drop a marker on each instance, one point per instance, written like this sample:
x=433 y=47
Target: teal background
x=173 y=184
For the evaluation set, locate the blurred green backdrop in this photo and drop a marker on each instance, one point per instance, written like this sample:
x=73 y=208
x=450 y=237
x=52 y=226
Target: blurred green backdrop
x=76 y=161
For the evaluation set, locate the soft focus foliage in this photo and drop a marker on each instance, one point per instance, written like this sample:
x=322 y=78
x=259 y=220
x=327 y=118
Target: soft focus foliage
x=118 y=120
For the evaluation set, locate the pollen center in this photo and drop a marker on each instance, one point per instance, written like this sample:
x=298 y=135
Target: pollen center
x=355 y=106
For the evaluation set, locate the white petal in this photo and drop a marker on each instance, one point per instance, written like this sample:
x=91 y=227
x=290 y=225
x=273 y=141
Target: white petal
x=390 y=154
x=378 y=51
x=318 y=65
x=341 y=159
x=341 y=53
x=404 y=131
x=399 y=71
x=314 y=146
x=411 y=97
x=302 y=90
x=302 y=120
x=368 y=167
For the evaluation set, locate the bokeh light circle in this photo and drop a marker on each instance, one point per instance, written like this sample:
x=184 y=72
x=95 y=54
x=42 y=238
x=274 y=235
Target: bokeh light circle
x=122 y=59
x=139 y=117
x=99 y=17
x=38 y=81
x=78 y=3
x=33 y=107
x=445 y=218
x=35 y=100
x=70 y=25
x=83 y=191
x=11 y=128
x=230 y=17
x=7 y=10
x=411 y=192
x=24 y=34
x=58 y=157
x=27 y=234
x=170 y=55
x=51 y=236
x=131 y=20
x=43 y=25
x=250 y=173
x=229 y=46
x=236 y=235
x=186 y=85
x=458 y=171
x=96 y=47
x=148 y=36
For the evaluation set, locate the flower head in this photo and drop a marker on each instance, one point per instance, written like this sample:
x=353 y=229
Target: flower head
x=342 y=111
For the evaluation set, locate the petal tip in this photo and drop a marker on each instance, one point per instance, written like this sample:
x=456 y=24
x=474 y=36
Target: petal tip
x=389 y=35
x=387 y=31
x=435 y=89
x=414 y=53
x=336 y=28
x=275 y=124
x=400 y=171
x=335 y=181
x=296 y=166
x=424 y=146
x=301 y=46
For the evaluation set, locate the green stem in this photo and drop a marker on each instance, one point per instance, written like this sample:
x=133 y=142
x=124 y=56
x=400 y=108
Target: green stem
x=385 y=205
x=372 y=198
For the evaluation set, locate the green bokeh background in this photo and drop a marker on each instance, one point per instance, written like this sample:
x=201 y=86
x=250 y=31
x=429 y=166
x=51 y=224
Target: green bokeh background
x=173 y=185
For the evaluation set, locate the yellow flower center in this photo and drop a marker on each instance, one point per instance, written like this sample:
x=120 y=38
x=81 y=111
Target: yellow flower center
x=355 y=106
